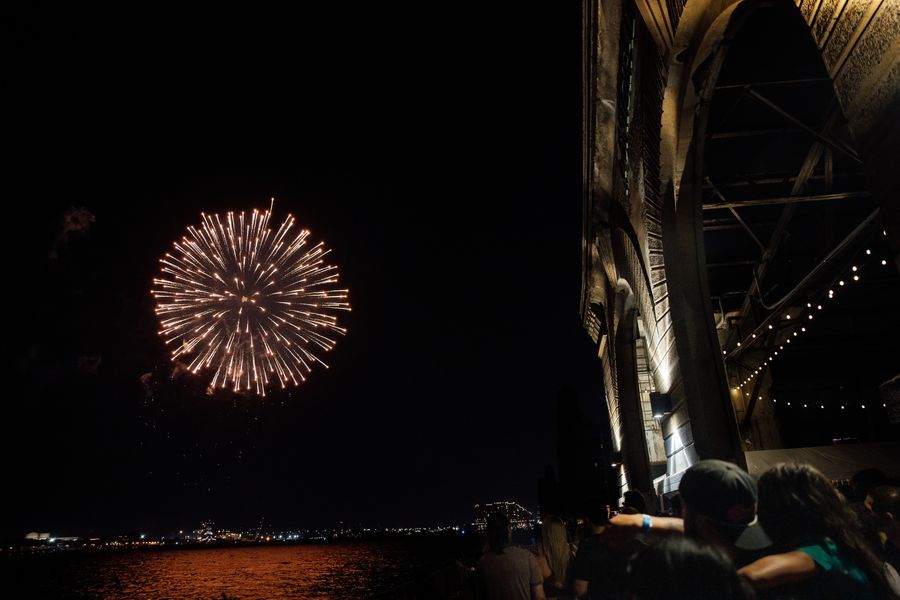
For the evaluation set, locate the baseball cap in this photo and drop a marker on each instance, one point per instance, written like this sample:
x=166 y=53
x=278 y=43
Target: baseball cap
x=725 y=494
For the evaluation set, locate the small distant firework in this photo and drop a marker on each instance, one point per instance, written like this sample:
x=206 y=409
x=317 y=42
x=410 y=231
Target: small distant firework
x=252 y=306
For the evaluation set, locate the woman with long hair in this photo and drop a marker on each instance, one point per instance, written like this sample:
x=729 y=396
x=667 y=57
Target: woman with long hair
x=555 y=557
x=823 y=549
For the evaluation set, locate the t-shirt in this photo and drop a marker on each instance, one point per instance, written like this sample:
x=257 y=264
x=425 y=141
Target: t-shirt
x=604 y=567
x=840 y=578
x=510 y=575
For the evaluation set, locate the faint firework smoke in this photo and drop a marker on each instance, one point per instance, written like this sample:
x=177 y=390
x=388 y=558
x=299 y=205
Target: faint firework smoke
x=179 y=369
x=89 y=364
x=74 y=220
x=147 y=383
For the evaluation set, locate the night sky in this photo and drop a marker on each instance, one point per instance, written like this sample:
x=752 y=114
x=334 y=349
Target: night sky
x=435 y=150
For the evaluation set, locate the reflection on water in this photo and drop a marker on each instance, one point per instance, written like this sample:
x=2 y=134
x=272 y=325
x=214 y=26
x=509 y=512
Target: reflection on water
x=315 y=571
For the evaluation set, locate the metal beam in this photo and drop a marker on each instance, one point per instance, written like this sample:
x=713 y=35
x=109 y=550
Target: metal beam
x=786 y=200
x=737 y=86
x=737 y=216
x=774 y=317
x=787 y=212
x=733 y=263
x=761 y=179
x=729 y=135
x=821 y=137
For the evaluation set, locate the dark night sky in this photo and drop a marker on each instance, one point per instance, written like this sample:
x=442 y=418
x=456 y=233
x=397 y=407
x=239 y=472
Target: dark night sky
x=436 y=150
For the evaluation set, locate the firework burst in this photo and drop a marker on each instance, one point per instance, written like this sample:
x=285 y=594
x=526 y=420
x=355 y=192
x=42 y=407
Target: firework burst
x=251 y=305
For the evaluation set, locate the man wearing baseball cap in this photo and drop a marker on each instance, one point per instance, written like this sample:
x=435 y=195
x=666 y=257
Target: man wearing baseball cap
x=719 y=507
x=719 y=500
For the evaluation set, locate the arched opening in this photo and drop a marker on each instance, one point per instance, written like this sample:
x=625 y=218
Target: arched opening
x=781 y=214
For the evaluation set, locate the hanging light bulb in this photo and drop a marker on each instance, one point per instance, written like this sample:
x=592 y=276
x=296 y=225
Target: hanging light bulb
x=856 y=278
x=854 y=269
x=868 y=251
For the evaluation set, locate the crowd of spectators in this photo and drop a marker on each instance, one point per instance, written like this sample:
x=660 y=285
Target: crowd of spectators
x=791 y=535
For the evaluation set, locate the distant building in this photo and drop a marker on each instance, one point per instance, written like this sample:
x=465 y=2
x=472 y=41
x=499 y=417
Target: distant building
x=519 y=517
x=34 y=535
x=206 y=533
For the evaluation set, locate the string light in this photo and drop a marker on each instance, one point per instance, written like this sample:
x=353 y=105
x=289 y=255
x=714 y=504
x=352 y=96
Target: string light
x=854 y=272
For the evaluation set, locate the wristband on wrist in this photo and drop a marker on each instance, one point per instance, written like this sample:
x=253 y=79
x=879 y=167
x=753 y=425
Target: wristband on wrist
x=648 y=522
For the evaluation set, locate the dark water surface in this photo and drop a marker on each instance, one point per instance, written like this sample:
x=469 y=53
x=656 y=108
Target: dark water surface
x=358 y=570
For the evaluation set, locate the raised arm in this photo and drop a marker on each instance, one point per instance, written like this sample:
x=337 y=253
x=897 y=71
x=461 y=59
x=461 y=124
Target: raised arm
x=636 y=522
x=776 y=570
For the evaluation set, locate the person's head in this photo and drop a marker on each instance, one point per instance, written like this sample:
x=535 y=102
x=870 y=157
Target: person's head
x=498 y=532
x=635 y=499
x=598 y=515
x=718 y=501
x=555 y=539
x=863 y=481
x=798 y=503
x=886 y=506
x=679 y=568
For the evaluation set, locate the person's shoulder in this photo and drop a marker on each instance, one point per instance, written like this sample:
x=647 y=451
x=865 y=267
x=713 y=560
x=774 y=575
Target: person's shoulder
x=518 y=551
x=823 y=551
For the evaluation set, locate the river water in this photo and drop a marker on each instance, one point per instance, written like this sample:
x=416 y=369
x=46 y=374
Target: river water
x=357 y=570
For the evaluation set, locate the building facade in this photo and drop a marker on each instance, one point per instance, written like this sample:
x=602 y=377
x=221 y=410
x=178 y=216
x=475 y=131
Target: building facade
x=651 y=83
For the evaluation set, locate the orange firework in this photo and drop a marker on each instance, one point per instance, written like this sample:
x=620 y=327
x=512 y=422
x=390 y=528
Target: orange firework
x=251 y=304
